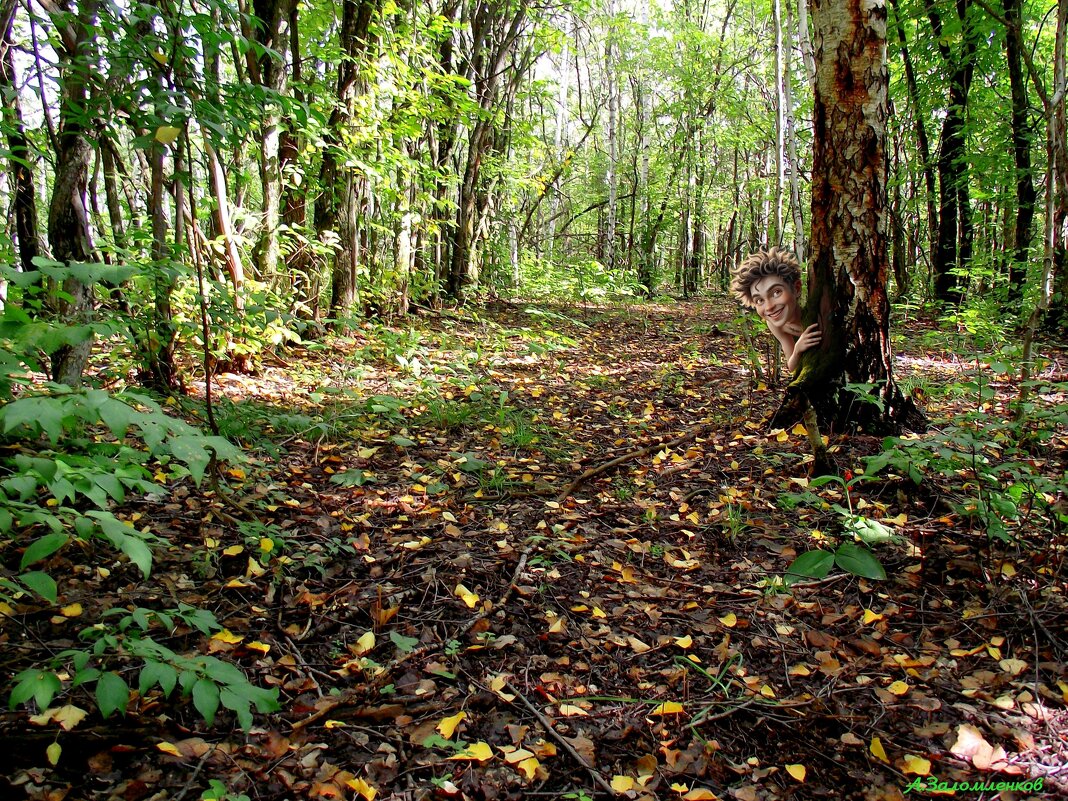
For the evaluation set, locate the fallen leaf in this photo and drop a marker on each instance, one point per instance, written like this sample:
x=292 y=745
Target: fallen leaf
x=668 y=708
x=53 y=753
x=169 y=748
x=917 y=765
x=362 y=788
x=877 y=750
x=797 y=771
x=74 y=610
x=622 y=784
x=684 y=642
x=476 y=752
x=870 y=617
x=701 y=794
x=447 y=726
x=572 y=711
x=464 y=594
x=227 y=637
x=898 y=688
x=365 y=644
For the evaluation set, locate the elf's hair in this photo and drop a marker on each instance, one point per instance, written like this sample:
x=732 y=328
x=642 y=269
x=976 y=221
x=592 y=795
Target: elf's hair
x=775 y=261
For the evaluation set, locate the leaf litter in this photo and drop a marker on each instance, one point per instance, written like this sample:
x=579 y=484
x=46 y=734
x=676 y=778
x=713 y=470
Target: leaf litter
x=557 y=572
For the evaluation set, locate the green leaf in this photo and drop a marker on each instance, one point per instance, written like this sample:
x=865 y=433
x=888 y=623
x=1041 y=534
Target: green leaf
x=404 y=644
x=812 y=564
x=112 y=694
x=238 y=705
x=40 y=685
x=859 y=561
x=352 y=478
x=206 y=699
x=871 y=531
x=41 y=583
x=819 y=481
x=43 y=548
x=154 y=673
x=38 y=413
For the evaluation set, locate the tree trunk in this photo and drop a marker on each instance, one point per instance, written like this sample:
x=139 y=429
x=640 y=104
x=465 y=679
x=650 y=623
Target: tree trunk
x=1022 y=136
x=920 y=127
x=69 y=233
x=847 y=273
x=952 y=252
x=27 y=233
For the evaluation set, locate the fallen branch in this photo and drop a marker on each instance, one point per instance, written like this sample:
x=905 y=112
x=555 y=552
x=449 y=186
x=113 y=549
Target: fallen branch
x=547 y=724
x=693 y=433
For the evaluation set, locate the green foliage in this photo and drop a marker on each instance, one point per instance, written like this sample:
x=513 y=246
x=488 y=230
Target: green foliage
x=851 y=555
x=120 y=641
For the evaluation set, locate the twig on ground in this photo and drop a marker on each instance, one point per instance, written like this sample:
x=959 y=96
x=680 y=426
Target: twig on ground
x=693 y=433
x=547 y=724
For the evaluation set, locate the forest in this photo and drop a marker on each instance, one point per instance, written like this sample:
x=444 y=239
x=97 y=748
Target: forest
x=377 y=419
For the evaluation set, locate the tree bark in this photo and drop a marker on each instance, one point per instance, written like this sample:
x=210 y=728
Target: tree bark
x=1022 y=136
x=953 y=249
x=20 y=157
x=847 y=272
x=69 y=232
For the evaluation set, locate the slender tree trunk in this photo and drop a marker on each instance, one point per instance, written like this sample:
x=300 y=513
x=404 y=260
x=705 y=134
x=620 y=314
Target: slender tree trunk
x=776 y=235
x=953 y=248
x=1026 y=195
x=791 y=141
x=68 y=220
x=920 y=127
x=21 y=157
x=611 y=178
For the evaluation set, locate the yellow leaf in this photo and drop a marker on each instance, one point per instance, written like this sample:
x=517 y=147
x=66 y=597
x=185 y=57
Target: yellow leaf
x=169 y=748
x=476 y=752
x=166 y=134
x=256 y=645
x=598 y=612
x=498 y=683
x=898 y=688
x=366 y=453
x=622 y=784
x=335 y=724
x=898 y=520
x=52 y=752
x=797 y=771
x=917 y=765
x=266 y=544
x=415 y=545
x=767 y=692
x=558 y=625
x=877 y=750
x=74 y=610
x=466 y=596
x=515 y=755
x=782 y=436
x=572 y=711
x=700 y=794
x=668 y=708
x=365 y=644
x=447 y=726
x=1008 y=570
x=160 y=58
x=68 y=716
x=730 y=620
x=870 y=617
x=227 y=637
x=363 y=788
x=254 y=569
x=233 y=550
x=798 y=430
x=237 y=472
x=529 y=766
x=684 y=642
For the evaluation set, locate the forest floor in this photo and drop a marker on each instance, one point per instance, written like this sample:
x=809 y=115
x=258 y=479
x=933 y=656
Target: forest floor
x=538 y=552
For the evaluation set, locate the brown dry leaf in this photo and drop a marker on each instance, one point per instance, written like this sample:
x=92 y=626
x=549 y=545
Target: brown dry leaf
x=972 y=746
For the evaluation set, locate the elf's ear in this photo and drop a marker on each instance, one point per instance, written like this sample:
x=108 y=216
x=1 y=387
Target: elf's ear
x=797 y=287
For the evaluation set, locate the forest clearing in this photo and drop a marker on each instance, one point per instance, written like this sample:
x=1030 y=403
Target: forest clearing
x=405 y=561
x=378 y=419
